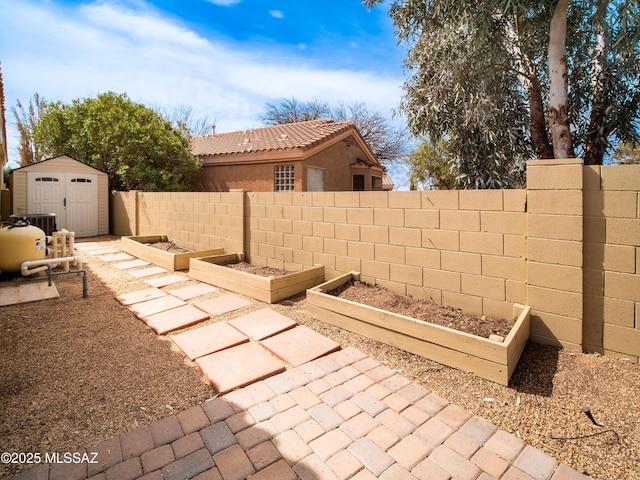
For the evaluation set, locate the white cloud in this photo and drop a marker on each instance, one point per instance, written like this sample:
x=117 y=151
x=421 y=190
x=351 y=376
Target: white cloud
x=224 y=3
x=276 y=13
x=69 y=53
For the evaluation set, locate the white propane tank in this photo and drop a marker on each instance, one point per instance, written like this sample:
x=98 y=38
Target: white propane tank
x=19 y=243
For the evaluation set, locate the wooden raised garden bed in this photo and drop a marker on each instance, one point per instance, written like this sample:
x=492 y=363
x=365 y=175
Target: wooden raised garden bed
x=270 y=289
x=171 y=259
x=490 y=359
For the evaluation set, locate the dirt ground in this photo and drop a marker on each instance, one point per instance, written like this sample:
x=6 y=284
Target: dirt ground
x=379 y=297
x=77 y=371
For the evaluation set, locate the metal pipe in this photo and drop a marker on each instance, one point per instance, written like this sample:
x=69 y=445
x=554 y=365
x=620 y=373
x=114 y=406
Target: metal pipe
x=85 y=278
x=46 y=263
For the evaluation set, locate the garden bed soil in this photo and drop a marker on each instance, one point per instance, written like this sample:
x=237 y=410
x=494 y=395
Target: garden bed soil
x=162 y=251
x=425 y=310
x=263 y=283
x=258 y=270
x=169 y=247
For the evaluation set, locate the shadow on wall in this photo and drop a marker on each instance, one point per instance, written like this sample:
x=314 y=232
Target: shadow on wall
x=536 y=370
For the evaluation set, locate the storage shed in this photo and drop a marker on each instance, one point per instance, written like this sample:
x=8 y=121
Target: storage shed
x=77 y=193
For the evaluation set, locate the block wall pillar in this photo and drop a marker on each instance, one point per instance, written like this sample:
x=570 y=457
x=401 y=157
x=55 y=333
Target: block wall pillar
x=236 y=221
x=555 y=251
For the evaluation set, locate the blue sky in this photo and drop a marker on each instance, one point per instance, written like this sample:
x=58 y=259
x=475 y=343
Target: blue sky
x=223 y=58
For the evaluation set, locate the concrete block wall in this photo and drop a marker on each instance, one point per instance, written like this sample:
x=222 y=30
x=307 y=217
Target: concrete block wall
x=460 y=248
x=554 y=251
x=568 y=246
x=124 y=210
x=612 y=260
x=195 y=220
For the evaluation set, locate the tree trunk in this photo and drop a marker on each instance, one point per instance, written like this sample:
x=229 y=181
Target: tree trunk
x=529 y=80
x=558 y=82
x=538 y=128
x=598 y=130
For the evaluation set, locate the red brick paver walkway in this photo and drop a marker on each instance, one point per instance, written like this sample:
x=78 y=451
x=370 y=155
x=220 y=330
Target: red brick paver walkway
x=342 y=416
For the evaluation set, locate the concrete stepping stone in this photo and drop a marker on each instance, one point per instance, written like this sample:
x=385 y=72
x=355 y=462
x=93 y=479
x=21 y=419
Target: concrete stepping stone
x=187 y=293
x=222 y=304
x=147 y=272
x=88 y=245
x=151 y=307
x=115 y=257
x=27 y=292
x=131 y=264
x=300 y=345
x=101 y=251
x=238 y=366
x=166 y=280
x=208 y=339
x=262 y=323
x=175 y=318
x=140 y=296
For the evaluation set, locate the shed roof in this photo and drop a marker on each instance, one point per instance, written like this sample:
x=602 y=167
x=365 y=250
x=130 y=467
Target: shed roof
x=299 y=135
x=59 y=157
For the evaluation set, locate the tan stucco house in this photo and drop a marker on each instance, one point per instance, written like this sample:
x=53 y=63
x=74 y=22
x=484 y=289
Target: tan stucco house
x=312 y=156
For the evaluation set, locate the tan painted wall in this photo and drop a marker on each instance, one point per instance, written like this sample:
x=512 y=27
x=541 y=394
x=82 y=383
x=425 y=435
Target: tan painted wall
x=259 y=177
x=568 y=246
x=612 y=260
x=61 y=164
x=195 y=220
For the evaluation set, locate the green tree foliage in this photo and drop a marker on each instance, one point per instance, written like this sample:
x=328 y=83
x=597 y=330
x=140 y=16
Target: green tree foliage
x=480 y=78
x=627 y=154
x=386 y=141
x=430 y=167
x=133 y=144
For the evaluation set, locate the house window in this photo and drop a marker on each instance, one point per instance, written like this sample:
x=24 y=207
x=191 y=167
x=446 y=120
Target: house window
x=358 y=183
x=284 y=178
x=376 y=183
x=316 y=179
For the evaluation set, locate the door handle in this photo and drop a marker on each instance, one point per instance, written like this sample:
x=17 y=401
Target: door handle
x=64 y=202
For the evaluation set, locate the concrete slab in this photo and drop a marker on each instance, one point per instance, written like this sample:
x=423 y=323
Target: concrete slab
x=187 y=293
x=115 y=257
x=151 y=307
x=101 y=251
x=147 y=272
x=175 y=319
x=300 y=345
x=140 y=296
x=131 y=264
x=89 y=245
x=238 y=366
x=27 y=292
x=262 y=323
x=208 y=339
x=222 y=304
x=166 y=280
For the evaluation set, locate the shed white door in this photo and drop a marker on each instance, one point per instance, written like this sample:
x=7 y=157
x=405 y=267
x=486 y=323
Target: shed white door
x=73 y=197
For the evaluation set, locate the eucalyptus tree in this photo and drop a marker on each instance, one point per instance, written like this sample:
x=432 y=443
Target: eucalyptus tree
x=133 y=144
x=505 y=81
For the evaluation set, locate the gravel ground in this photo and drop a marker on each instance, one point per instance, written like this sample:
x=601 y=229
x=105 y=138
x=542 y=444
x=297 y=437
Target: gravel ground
x=77 y=371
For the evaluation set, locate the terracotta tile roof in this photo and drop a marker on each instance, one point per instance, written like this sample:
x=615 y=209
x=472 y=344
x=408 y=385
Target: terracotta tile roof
x=300 y=135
